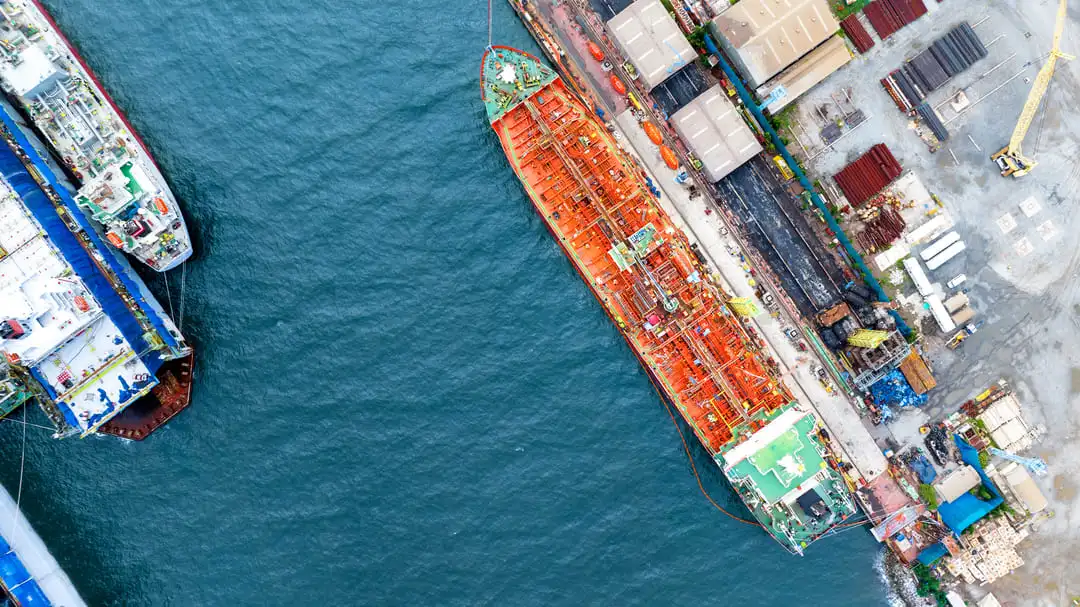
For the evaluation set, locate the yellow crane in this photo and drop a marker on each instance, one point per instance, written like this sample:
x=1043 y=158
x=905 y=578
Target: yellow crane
x=1011 y=159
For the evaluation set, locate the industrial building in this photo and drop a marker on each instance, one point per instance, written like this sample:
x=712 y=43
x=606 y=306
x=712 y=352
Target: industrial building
x=805 y=73
x=716 y=133
x=649 y=37
x=763 y=37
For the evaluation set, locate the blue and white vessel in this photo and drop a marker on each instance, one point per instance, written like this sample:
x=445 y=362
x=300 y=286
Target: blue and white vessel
x=119 y=184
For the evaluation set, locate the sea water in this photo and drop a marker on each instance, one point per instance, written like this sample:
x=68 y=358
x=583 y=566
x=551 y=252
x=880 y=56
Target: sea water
x=405 y=394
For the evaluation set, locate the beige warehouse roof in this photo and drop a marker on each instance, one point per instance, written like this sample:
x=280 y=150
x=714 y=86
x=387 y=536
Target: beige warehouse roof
x=769 y=35
x=651 y=40
x=1000 y=411
x=1024 y=488
x=807 y=72
x=716 y=133
x=957 y=483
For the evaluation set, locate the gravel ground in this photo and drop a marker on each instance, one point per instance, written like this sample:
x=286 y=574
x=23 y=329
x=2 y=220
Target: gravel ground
x=1030 y=303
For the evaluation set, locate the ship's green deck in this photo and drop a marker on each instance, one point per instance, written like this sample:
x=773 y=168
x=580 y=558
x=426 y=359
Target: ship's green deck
x=508 y=77
x=766 y=468
x=762 y=480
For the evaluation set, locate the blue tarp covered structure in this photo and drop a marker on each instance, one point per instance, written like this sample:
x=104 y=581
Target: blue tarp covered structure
x=933 y=553
x=17 y=580
x=967 y=509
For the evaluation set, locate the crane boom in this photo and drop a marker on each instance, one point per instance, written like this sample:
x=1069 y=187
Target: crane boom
x=1011 y=159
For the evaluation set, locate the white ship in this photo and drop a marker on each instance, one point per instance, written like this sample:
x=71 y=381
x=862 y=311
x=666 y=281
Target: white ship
x=119 y=185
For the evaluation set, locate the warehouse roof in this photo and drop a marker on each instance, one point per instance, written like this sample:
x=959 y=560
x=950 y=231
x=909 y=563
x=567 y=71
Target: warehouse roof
x=769 y=35
x=807 y=72
x=651 y=39
x=1024 y=487
x=957 y=483
x=716 y=133
x=1006 y=425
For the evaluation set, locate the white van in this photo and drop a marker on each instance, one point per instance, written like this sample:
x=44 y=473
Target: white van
x=956 y=282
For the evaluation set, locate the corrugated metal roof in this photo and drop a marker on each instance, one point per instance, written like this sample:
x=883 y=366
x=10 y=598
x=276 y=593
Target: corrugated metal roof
x=807 y=72
x=716 y=133
x=769 y=35
x=651 y=39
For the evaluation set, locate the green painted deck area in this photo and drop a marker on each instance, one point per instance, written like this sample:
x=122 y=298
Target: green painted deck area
x=508 y=77
x=783 y=464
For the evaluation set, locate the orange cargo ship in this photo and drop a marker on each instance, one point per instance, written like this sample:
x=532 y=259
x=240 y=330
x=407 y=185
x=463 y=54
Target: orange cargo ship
x=642 y=270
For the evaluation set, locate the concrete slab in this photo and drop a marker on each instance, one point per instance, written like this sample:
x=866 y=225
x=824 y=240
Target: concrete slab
x=1030 y=206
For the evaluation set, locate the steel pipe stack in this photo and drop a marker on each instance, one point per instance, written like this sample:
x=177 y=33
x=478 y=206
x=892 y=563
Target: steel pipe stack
x=857 y=33
x=929 y=70
x=882 y=231
x=931 y=119
x=888 y=16
x=864 y=178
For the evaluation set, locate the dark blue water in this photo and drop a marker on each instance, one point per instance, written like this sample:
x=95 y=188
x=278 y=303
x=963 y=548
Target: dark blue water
x=405 y=394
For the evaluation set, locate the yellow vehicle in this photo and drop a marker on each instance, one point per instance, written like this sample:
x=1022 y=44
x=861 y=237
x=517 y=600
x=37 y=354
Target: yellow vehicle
x=782 y=164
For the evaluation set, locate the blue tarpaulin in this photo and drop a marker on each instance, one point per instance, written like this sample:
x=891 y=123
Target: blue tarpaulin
x=967 y=509
x=892 y=391
x=924 y=469
x=933 y=553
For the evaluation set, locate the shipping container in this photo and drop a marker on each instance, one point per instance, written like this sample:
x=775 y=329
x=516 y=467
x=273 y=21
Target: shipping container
x=945 y=255
x=937 y=310
x=939 y=245
x=956 y=302
x=915 y=271
x=963 y=316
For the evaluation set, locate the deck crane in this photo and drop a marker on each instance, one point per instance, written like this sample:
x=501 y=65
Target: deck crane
x=1034 y=464
x=1011 y=159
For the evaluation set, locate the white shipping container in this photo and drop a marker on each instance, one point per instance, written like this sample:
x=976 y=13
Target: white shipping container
x=946 y=255
x=915 y=271
x=937 y=309
x=939 y=245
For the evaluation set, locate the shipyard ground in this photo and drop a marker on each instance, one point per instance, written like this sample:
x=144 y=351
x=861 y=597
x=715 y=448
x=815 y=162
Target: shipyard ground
x=1029 y=300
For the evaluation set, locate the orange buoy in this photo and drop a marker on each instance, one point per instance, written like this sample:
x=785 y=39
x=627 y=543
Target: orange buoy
x=160 y=204
x=114 y=239
x=669 y=157
x=653 y=133
x=617 y=84
x=594 y=50
x=81 y=303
